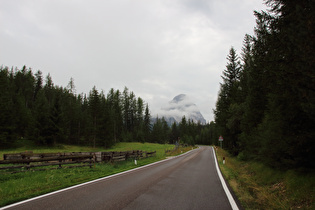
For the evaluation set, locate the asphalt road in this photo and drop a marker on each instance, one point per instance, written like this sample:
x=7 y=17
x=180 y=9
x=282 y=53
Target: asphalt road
x=190 y=181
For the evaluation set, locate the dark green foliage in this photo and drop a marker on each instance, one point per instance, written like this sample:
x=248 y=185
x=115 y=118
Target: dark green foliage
x=115 y=114
x=273 y=116
x=41 y=119
x=147 y=123
x=228 y=111
x=49 y=114
x=160 y=131
x=174 y=133
x=7 y=116
x=191 y=133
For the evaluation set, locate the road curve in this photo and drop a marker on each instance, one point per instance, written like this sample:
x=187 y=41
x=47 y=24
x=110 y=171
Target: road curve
x=190 y=181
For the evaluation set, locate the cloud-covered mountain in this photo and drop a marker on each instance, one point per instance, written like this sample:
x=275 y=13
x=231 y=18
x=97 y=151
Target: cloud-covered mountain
x=178 y=107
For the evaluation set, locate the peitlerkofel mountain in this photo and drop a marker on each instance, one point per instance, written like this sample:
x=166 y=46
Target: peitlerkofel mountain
x=180 y=106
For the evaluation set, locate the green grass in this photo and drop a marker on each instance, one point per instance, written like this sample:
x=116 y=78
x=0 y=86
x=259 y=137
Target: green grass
x=25 y=145
x=260 y=187
x=24 y=185
x=159 y=148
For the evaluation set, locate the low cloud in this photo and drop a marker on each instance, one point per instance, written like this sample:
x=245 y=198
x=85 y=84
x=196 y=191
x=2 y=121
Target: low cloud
x=181 y=105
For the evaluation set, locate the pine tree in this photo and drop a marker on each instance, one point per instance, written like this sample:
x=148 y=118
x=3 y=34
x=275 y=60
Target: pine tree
x=160 y=131
x=126 y=110
x=139 y=123
x=228 y=110
x=183 y=127
x=156 y=134
x=41 y=113
x=174 y=134
x=71 y=86
x=147 y=123
x=116 y=115
x=49 y=89
x=289 y=119
x=55 y=126
x=165 y=132
x=94 y=110
x=7 y=121
x=106 y=127
x=23 y=99
x=231 y=75
x=38 y=83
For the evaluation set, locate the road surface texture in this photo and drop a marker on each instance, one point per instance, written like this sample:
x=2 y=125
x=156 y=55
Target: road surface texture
x=190 y=181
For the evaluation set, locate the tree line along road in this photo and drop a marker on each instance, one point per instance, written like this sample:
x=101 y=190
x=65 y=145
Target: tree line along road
x=189 y=181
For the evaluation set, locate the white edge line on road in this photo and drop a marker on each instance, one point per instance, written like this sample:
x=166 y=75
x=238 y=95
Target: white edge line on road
x=90 y=182
x=226 y=189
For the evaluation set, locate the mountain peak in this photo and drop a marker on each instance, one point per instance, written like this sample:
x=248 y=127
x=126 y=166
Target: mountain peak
x=178 y=98
x=180 y=106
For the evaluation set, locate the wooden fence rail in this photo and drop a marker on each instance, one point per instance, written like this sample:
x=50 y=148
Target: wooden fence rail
x=27 y=160
x=150 y=154
x=48 y=161
x=31 y=155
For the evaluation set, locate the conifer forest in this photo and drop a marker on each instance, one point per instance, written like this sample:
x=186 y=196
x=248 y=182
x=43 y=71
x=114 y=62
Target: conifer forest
x=34 y=108
x=265 y=108
x=266 y=104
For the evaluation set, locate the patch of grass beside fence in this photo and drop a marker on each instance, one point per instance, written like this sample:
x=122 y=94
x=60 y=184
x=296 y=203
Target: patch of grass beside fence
x=260 y=187
x=159 y=148
x=24 y=185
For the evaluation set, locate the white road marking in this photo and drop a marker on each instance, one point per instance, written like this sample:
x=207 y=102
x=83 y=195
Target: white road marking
x=226 y=189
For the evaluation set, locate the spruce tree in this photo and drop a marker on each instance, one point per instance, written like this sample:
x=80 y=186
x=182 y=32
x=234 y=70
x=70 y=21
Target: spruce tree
x=228 y=107
x=147 y=123
x=7 y=121
x=289 y=120
x=94 y=103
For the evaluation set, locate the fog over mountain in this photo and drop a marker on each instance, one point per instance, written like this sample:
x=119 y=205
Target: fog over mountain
x=178 y=107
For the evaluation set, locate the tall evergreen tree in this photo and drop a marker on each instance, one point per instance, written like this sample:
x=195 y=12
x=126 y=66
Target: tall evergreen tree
x=7 y=121
x=55 y=126
x=38 y=83
x=174 y=134
x=147 y=123
x=115 y=113
x=228 y=110
x=288 y=123
x=274 y=102
x=41 y=132
x=94 y=109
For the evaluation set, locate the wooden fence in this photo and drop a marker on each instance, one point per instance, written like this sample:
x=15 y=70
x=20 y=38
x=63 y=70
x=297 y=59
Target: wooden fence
x=27 y=160
x=121 y=156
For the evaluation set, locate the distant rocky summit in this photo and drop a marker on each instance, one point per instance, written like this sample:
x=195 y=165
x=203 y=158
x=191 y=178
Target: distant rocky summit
x=180 y=106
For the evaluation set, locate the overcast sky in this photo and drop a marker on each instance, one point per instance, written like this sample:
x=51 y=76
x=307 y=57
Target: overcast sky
x=156 y=48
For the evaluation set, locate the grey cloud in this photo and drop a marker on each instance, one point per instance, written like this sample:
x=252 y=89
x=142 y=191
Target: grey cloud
x=157 y=49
